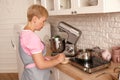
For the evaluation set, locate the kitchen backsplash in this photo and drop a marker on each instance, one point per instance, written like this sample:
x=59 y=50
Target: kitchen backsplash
x=101 y=30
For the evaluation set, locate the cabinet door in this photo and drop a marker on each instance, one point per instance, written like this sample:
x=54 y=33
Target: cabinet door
x=97 y=6
x=89 y=6
x=54 y=74
x=48 y=4
x=37 y=1
x=65 y=7
x=58 y=7
x=63 y=76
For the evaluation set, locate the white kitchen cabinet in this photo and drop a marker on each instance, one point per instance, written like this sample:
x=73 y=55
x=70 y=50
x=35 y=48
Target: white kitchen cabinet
x=73 y=7
x=54 y=74
x=59 y=75
x=102 y=6
x=63 y=76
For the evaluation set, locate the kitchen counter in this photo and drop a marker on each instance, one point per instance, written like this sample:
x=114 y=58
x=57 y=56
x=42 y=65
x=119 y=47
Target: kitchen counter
x=78 y=74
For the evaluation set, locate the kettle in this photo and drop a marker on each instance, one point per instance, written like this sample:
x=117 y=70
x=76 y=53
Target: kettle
x=57 y=44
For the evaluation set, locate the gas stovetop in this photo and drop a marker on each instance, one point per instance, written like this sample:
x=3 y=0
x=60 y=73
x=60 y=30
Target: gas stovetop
x=95 y=64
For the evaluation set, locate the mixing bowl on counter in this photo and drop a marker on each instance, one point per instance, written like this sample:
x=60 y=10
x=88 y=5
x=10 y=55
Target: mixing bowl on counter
x=57 y=44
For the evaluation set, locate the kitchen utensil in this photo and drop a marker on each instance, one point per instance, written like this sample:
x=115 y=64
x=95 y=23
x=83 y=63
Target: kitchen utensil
x=57 y=44
x=66 y=60
x=94 y=65
x=97 y=51
x=73 y=36
x=116 y=54
x=117 y=70
x=105 y=76
x=84 y=55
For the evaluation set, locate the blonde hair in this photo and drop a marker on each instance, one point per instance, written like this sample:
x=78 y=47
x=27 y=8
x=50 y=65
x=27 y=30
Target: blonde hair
x=36 y=10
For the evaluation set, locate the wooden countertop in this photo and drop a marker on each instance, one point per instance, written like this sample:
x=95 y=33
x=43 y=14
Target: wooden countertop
x=78 y=74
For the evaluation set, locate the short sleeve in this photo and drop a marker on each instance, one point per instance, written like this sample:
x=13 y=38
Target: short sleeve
x=35 y=45
x=30 y=42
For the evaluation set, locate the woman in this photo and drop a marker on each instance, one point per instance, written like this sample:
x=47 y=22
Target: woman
x=32 y=49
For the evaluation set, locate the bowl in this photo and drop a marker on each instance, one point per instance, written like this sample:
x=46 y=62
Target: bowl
x=66 y=60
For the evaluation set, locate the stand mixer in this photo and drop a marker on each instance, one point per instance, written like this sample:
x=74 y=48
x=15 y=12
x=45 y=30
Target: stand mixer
x=73 y=36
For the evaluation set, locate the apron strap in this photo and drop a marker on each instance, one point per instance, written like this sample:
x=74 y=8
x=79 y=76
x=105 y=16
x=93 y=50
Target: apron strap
x=31 y=65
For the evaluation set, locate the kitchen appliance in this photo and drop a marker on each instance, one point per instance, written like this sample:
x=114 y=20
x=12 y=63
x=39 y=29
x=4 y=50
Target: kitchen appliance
x=90 y=66
x=57 y=44
x=73 y=36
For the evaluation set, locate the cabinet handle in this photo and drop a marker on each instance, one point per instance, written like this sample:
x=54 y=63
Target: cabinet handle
x=74 y=12
x=51 y=71
x=12 y=44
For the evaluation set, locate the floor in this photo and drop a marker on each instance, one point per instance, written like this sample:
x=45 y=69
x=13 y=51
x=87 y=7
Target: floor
x=8 y=76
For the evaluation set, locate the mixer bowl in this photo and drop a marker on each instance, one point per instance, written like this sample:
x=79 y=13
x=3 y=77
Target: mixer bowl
x=57 y=44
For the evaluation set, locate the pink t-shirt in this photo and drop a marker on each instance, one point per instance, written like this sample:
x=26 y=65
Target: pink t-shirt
x=30 y=42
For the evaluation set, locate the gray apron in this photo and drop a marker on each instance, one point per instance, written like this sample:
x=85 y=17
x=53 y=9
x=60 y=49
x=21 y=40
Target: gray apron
x=32 y=73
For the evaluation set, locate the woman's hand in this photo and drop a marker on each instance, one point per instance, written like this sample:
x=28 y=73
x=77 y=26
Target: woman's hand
x=61 y=57
x=55 y=57
x=51 y=57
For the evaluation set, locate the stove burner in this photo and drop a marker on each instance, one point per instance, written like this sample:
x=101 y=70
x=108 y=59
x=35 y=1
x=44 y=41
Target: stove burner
x=90 y=66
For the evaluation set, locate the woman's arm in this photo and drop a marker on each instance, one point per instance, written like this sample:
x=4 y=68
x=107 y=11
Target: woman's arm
x=42 y=63
x=51 y=57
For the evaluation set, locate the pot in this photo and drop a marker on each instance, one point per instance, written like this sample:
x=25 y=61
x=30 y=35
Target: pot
x=57 y=44
x=85 y=55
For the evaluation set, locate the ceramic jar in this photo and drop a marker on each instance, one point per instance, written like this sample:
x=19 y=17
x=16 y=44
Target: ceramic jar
x=116 y=54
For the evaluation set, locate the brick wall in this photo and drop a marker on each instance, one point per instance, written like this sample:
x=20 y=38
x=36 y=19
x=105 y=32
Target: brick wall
x=101 y=30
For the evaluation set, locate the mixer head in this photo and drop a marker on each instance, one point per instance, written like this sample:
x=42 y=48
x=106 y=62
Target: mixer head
x=73 y=33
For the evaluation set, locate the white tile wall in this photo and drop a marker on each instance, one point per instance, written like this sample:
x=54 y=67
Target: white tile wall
x=101 y=30
x=11 y=12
